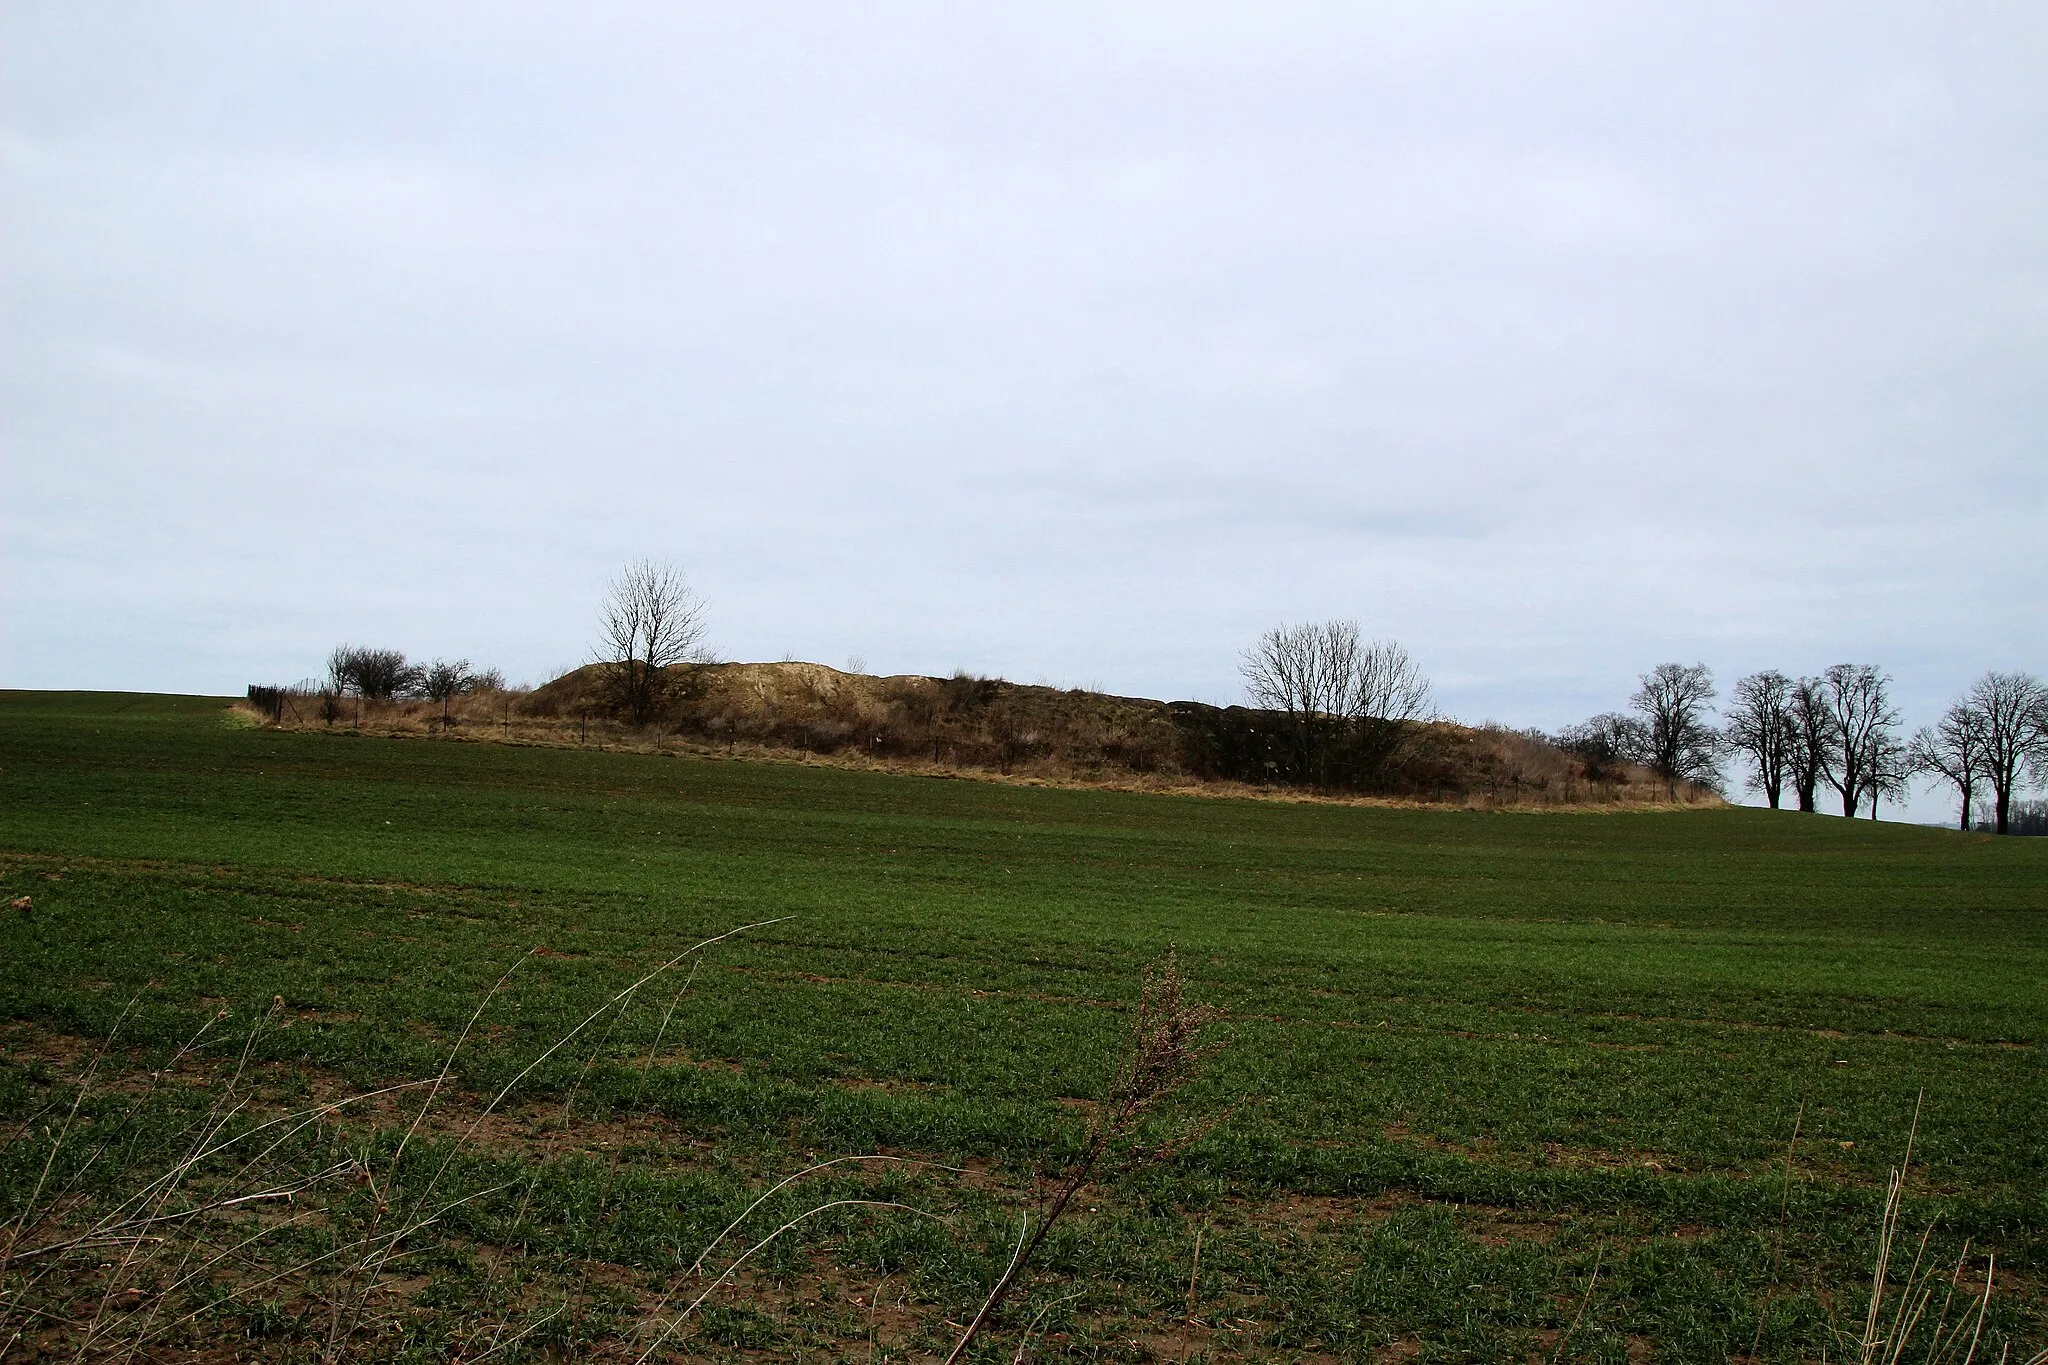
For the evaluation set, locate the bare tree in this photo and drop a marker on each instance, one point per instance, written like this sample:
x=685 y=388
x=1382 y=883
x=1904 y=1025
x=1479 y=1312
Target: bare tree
x=1859 y=702
x=341 y=670
x=650 y=621
x=1386 y=684
x=1604 y=743
x=1888 y=773
x=1302 y=670
x=2037 y=764
x=1813 y=739
x=443 y=680
x=1953 y=748
x=2012 y=710
x=1343 y=696
x=1305 y=673
x=1388 y=696
x=1673 y=702
x=1762 y=728
x=375 y=673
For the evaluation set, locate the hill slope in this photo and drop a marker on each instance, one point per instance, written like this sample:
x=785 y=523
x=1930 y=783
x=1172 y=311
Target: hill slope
x=1075 y=735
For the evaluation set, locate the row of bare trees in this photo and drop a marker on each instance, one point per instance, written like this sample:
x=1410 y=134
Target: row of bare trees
x=1347 y=704
x=381 y=674
x=1991 y=735
x=1838 y=729
x=1841 y=728
x=384 y=674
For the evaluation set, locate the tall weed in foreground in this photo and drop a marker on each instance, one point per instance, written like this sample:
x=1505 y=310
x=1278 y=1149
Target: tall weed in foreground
x=1162 y=1053
x=1897 y=1325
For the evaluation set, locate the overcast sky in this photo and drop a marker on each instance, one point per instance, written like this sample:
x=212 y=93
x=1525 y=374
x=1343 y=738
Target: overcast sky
x=1067 y=344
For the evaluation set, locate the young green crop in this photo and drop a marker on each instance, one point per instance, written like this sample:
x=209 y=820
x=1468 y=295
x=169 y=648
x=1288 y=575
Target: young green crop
x=1595 y=1028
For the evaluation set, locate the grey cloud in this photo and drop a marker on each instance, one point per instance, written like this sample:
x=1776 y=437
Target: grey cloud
x=1077 y=342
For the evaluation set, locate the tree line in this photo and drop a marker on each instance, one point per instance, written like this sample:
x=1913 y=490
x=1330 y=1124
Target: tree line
x=384 y=674
x=1837 y=730
x=1345 y=706
x=1334 y=709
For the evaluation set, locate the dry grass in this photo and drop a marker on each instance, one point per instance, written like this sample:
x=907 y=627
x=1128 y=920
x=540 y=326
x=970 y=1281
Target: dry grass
x=1898 y=1326
x=978 y=729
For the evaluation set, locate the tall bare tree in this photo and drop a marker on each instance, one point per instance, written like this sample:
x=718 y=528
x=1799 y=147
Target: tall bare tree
x=650 y=621
x=1953 y=748
x=1889 y=771
x=1341 y=694
x=2013 y=711
x=1813 y=739
x=1859 y=702
x=1305 y=673
x=2037 y=764
x=1673 y=702
x=1761 y=727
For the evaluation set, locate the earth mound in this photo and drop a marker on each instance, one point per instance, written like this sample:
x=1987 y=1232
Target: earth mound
x=1076 y=735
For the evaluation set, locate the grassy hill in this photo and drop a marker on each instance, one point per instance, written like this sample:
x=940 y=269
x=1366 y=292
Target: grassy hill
x=1471 y=1057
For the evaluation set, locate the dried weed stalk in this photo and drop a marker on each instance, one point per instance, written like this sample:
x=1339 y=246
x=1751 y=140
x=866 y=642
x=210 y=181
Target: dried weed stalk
x=1162 y=1053
x=1895 y=1319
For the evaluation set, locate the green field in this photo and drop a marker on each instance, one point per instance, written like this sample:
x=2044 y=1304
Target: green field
x=1470 y=1057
